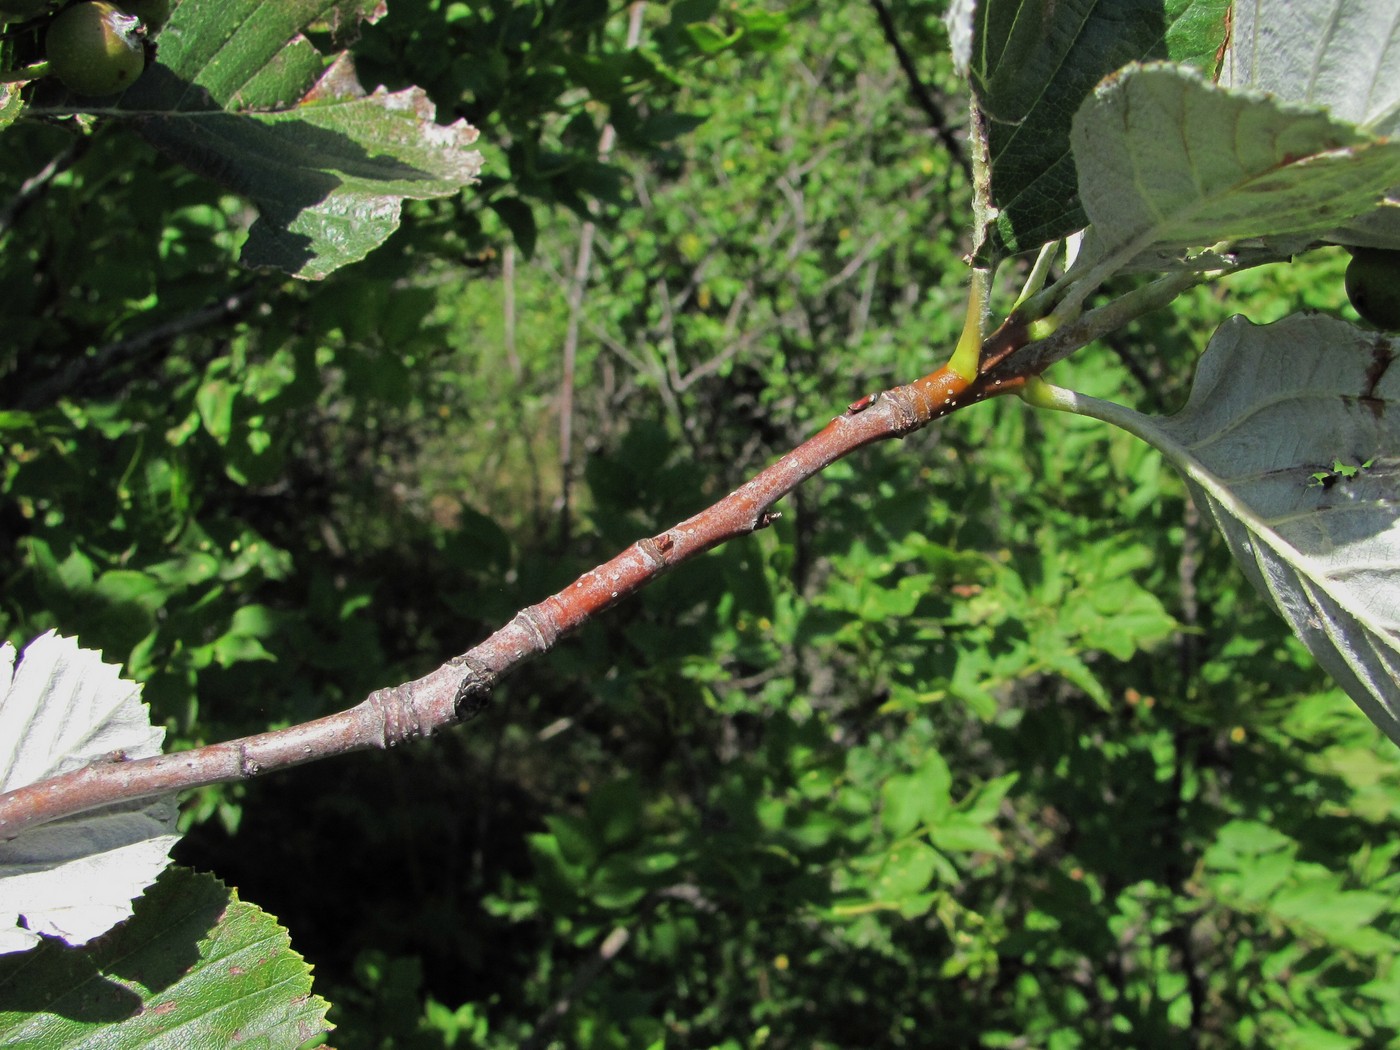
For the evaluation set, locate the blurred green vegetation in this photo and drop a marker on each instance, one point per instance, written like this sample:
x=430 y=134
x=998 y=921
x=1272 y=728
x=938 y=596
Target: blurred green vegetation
x=983 y=744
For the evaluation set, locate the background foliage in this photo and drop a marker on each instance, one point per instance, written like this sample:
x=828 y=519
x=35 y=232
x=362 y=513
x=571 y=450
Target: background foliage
x=982 y=744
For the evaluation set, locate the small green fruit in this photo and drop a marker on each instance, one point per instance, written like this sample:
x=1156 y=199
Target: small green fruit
x=94 y=48
x=1373 y=286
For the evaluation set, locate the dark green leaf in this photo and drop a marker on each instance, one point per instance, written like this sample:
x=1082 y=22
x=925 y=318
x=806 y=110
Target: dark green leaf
x=240 y=95
x=519 y=217
x=194 y=966
x=1034 y=61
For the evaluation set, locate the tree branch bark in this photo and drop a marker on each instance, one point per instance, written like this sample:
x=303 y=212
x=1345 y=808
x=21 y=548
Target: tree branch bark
x=459 y=689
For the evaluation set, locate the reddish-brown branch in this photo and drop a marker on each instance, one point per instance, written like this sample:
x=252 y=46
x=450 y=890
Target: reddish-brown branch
x=458 y=689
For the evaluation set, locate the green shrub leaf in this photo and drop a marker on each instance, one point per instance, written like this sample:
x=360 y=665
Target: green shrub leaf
x=238 y=93
x=1032 y=61
x=1170 y=162
x=1340 y=56
x=194 y=966
x=62 y=708
x=1273 y=411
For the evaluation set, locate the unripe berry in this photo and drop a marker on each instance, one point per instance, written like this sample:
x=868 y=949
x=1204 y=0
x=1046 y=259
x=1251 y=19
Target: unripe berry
x=94 y=48
x=1373 y=286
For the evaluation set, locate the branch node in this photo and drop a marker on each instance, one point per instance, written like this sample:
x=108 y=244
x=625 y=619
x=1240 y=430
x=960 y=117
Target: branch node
x=543 y=632
x=398 y=719
x=907 y=412
x=248 y=766
x=655 y=548
x=473 y=694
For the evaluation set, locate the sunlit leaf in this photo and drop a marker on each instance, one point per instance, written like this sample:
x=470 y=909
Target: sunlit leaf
x=1342 y=56
x=239 y=94
x=1033 y=61
x=1291 y=442
x=195 y=967
x=1169 y=162
x=62 y=708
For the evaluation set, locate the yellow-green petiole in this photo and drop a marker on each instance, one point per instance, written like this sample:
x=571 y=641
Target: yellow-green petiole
x=967 y=355
x=1040 y=394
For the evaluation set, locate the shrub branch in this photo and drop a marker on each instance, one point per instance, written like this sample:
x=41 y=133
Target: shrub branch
x=461 y=688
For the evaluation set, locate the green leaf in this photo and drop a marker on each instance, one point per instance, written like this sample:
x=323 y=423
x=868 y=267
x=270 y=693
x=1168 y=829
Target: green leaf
x=1294 y=1034
x=11 y=104
x=958 y=834
x=915 y=798
x=1249 y=861
x=556 y=878
x=1072 y=669
x=240 y=95
x=519 y=218
x=215 y=401
x=1034 y=61
x=982 y=804
x=242 y=642
x=903 y=799
x=1323 y=905
x=615 y=810
x=194 y=966
x=1169 y=162
x=668 y=125
x=1119 y=617
x=574 y=837
x=1240 y=843
x=1269 y=406
x=710 y=38
x=908 y=870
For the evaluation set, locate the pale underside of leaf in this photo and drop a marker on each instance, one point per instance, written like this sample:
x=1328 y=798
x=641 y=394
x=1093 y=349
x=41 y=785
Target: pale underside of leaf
x=958 y=19
x=1168 y=162
x=62 y=708
x=1291 y=442
x=1376 y=229
x=75 y=879
x=1340 y=55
